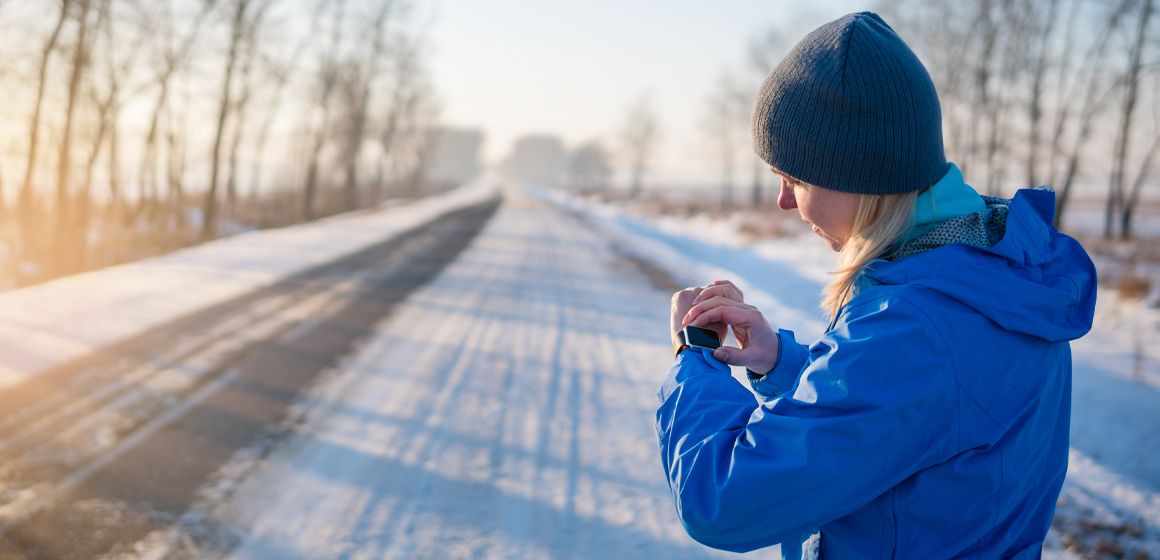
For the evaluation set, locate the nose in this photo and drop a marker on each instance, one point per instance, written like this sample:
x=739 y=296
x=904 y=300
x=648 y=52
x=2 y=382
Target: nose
x=785 y=199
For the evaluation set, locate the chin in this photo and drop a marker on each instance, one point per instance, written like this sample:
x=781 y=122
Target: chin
x=832 y=243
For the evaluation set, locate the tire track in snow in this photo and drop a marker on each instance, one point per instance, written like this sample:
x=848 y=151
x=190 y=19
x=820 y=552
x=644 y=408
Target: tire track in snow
x=523 y=430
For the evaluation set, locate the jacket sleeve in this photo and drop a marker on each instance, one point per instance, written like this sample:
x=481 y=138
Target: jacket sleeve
x=791 y=358
x=875 y=404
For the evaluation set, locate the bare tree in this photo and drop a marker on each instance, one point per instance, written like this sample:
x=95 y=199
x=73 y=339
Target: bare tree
x=361 y=76
x=724 y=123
x=1092 y=76
x=1007 y=57
x=174 y=52
x=101 y=68
x=764 y=52
x=983 y=102
x=64 y=164
x=326 y=82
x=1131 y=81
x=176 y=163
x=34 y=129
x=405 y=100
x=1043 y=27
x=109 y=104
x=1145 y=169
x=238 y=25
x=280 y=77
x=639 y=135
x=249 y=55
x=1062 y=86
x=280 y=71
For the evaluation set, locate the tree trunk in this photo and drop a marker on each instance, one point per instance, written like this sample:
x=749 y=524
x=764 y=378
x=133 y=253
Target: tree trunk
x=34 y=129
x=1035 y=99
x=65 y=242
x=328 y=77
x=1116 y=185
x=209 y=217
x=147 y=191
x=115 y=203
x=358 y=128
x=1063 y=98
x=281 y=78
x=1092 y=103
x=175 y=163
x=1134 y=195
x=239 y=129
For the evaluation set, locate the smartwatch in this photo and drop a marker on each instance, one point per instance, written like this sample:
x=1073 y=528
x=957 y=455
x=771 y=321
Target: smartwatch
x=696 y=337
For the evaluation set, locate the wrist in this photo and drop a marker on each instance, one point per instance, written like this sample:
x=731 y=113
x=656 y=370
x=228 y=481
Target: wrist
x=761 y=369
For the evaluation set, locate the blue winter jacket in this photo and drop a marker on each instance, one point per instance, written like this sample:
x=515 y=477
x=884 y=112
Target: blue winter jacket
x=929 y=421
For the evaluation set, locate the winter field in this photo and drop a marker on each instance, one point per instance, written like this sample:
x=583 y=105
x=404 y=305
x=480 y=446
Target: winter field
x=468 y=376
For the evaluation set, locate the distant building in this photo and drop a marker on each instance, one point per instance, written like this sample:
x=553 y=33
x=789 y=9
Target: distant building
x=454 y=158
x=537 y=159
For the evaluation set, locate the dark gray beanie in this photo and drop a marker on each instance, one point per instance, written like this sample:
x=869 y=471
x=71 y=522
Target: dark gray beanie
x=851 y=109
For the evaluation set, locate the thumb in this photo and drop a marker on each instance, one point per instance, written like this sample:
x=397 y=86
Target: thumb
x=729 y=355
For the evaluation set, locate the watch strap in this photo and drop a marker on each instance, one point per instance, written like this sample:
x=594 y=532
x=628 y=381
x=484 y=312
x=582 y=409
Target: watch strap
x=680 y=344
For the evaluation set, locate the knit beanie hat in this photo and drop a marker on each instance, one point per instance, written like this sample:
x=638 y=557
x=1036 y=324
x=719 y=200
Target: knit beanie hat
x=851 y=109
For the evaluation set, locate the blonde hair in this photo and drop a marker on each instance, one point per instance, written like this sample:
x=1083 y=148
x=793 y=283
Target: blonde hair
x=881 y=221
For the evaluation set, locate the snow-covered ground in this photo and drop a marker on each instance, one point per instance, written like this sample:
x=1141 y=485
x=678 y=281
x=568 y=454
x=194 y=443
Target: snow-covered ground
x=505 y=409
x=1112 y=494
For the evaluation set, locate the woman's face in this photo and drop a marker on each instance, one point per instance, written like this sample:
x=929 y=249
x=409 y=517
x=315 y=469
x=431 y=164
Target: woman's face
x=831 y=213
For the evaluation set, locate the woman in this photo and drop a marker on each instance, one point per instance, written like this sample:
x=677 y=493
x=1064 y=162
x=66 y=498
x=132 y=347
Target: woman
x=930 y=420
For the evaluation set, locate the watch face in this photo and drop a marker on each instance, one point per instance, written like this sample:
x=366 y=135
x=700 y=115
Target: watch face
x=697 y=336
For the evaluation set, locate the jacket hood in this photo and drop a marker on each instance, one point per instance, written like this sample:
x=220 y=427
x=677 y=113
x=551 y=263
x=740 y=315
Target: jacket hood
x=1029 y=278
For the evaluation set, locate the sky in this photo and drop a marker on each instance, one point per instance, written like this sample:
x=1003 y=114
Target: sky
x=573 y=68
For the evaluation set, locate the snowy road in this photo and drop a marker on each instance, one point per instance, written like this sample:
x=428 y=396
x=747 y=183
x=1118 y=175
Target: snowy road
x=502 y=411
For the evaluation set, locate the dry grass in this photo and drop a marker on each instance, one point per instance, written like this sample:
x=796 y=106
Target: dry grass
x=31 y=250
x=1130 y=267
x=1132 y=286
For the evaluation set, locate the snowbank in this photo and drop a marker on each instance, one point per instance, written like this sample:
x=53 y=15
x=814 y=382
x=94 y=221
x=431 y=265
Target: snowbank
x=51 y=324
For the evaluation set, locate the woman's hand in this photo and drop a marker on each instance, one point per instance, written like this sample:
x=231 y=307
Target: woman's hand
x=720 y=304
x=681 y=303
x=727 y=290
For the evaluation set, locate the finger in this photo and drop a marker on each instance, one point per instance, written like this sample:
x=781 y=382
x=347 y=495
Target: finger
x=728 y=283
x=728 y=291
x=708 y=304
x=732 y=314
x=730 y=355
x=685 y=296
x=691 y=316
